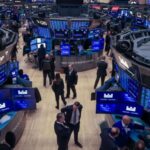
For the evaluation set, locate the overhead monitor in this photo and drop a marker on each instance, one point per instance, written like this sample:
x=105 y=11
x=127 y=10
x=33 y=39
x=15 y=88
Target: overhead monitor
x=65 y=49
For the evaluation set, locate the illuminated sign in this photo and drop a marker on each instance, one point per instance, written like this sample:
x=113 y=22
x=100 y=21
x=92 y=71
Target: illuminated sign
x=3 y=105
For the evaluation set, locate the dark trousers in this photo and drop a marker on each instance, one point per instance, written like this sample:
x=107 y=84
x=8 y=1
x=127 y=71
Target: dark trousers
x=72 y=87
x=62 y=98
x=62 y=146
x=40 y=63
x=97 y=80
x=45 y=74
x=75 y=129
x=53 y=74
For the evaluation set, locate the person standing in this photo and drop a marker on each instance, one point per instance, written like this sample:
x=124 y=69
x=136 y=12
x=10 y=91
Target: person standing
x=62 y=132
x=58 y=88
x=46 y=67
x=72 y=117
x=71 y=81
x=41 y=54
x=108 y=136
x=52 y=59
x=107 y=43
x=101 y=71
x=126 y=126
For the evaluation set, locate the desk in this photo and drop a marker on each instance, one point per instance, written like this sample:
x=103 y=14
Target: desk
x=134 y=136
x=81 y=62
x=16 y=124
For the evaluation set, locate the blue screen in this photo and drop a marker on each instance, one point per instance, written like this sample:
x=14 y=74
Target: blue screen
x=98 y=45
x=94 y=33
x=3 y=73
x=129 y=84
x=117 y=103
x=145 y=98
x=34 y=47
x=6 y=103
x=77 y=25
x=114 y=97
x=59 y=24
x=65 y=50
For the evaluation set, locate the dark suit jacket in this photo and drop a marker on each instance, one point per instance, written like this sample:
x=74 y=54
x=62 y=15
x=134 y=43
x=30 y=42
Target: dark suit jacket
x=68 y=112
x=71 y=78
x=63 y=134
x=102 y=66
x=4 y=147
x=58 y=86
x=124 y=136
x=107 y=143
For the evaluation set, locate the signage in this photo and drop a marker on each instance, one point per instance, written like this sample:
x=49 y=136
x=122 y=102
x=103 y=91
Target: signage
x=65 y=49
x=117 y=103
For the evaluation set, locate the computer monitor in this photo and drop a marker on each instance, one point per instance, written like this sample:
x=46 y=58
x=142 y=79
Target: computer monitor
x=65 y=49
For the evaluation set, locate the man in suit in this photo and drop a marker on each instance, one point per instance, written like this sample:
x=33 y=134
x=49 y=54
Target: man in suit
x=46 y=67
x=101 y=71
x=62 y=132
x=71 y=81
x=72 y=116
x=108 y=139
x=41 y=54
x=126 y=126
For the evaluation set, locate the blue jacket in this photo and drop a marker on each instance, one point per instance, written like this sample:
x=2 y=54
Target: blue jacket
x=123 y=137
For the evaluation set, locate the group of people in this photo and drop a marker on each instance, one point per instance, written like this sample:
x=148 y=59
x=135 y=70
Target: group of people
x=118 y=137
x=71 y=79
x=68 y=121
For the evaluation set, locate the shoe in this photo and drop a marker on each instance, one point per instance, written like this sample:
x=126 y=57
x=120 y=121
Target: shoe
x=74 y=97
x=57 y=107
x=78 y=144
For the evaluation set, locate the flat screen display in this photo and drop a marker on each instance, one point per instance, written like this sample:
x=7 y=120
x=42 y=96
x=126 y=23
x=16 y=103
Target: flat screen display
x=98 y=45
x=145 y=98
x=23 y=98
x=65 y=49
x=117 y=103
x=95 y=33
x=36 y=43
x=3 y=73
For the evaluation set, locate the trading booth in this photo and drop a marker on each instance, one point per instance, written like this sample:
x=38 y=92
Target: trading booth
x=16 y=94
x=128 y=92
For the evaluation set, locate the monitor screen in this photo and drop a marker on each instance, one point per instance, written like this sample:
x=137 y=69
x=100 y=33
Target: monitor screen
x=23 y=98
x=6 y=103
x=145 y=98
x=34 y=48
x=44 y=44
x=65 y=49
x=98 y=45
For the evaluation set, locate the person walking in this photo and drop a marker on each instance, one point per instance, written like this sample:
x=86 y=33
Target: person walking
x=101 y=71
x=58 y=88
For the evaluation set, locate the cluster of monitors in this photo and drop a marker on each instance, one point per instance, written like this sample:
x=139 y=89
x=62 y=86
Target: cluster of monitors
x=117 y=103
x=138 y=92
x=17 y=99
x=97 y=46
x=42 y=32
x=7 y=70
x=66 y=25
x=36 y=43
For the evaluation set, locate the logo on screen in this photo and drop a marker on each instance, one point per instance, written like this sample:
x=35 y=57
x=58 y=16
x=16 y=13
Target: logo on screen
x=22 y=92
x=108 y=95
x=130 y=108
x=3 y=105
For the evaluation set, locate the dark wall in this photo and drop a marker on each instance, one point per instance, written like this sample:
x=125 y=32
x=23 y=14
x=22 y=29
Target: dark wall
x=69 y=2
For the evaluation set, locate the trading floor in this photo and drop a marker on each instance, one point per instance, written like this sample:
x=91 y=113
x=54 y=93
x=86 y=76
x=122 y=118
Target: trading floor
x=39 y=130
